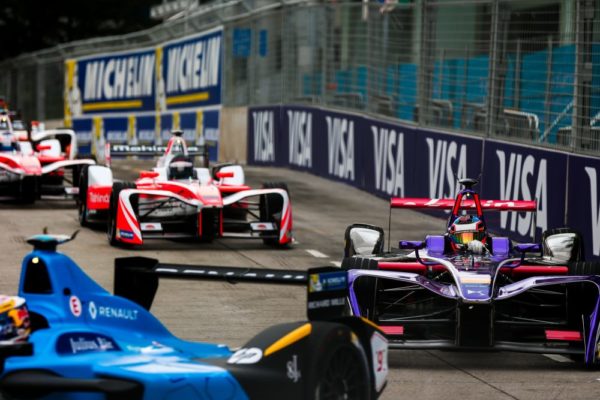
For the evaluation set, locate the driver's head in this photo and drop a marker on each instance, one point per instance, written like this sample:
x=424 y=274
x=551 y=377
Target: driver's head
x=465 y=229
x=14 y=320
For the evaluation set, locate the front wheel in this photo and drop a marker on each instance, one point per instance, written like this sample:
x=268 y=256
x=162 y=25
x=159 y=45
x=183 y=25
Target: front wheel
x=341 y=372
x=113 y=209
x=29 y=190
x=82 y=198
x=271 y=210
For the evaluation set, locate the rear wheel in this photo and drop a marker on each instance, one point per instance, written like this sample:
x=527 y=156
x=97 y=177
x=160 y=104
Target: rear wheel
x=112 y=211
x=29 y=190
x=82 y=197
x=271 y=209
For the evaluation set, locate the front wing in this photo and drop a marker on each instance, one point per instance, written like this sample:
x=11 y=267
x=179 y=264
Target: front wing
x=155 y=214
x=419 y=313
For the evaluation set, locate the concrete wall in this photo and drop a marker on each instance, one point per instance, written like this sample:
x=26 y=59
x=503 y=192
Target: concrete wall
x=233 y=138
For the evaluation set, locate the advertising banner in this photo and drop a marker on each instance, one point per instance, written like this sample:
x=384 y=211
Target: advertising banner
x=583 y=201
x=390 y=160
x=266 y=141
x=189 y=72
x=143 y=94
x=513 y=172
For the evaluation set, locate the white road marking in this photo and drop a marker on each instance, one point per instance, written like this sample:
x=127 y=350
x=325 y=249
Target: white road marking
x=336 y=263
x=316 y=253
x=558 y=358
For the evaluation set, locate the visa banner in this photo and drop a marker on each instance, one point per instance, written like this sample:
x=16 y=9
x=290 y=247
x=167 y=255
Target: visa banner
x=391 y=159
x=180 y=74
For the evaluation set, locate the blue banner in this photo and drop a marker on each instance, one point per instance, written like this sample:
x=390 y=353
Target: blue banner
x=190 y=72
x=266 y=142
x=389 y=160
x=113 y=83
x=514 y=172
x=583 y=202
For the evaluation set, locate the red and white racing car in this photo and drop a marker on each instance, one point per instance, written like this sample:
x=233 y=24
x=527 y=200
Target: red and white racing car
x=37 y=164
x=178 y=200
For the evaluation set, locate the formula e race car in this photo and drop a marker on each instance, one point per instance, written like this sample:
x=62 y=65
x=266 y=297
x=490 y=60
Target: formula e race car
x=178 y=200
x=86 y=343
x=468 y=290
x=38 y=163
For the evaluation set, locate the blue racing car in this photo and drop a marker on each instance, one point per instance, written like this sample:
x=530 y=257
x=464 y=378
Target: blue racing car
x=85 y=343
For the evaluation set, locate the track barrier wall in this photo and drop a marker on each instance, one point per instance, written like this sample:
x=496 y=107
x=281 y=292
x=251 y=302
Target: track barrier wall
x=389 y=159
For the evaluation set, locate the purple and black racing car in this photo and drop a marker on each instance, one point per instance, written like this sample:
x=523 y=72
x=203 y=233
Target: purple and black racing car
x=467 y=289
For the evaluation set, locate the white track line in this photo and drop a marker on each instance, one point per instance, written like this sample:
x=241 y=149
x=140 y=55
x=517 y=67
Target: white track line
x=336 y=263
x=558 y=358
x=316 y=253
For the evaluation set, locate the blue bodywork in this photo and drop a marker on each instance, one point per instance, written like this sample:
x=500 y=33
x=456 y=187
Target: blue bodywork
x=92 y=333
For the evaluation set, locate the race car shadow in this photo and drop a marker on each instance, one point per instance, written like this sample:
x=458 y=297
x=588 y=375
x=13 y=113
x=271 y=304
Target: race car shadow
x=480 y=361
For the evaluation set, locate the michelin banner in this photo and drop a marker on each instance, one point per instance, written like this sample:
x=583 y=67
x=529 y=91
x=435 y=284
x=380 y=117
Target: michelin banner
x=389 y=160
x=140 y=95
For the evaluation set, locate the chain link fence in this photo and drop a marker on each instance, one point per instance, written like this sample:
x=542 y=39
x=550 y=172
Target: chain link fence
x=517 y=70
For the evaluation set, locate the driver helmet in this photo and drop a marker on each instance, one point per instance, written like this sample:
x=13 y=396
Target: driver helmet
x=14 y=320
x=466 y=228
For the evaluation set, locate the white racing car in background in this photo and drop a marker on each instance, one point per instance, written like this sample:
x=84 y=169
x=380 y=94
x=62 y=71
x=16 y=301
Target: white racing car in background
x=38 y=163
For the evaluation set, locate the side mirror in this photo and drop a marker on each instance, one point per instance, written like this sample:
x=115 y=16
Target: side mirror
x=149 y=174
x=223 y=174
x=363 y=239
x=411 y=244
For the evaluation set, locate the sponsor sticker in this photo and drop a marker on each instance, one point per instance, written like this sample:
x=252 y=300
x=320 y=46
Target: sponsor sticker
x=99 y=198
x=379 y=348
x=151 y=226
x=293 y=372
x=85 y=342
x=75 y=306
x=263 y=226
x=246 y=356
x=126 y=234
x=329 y=281
x=466 y=278
x=108 y=312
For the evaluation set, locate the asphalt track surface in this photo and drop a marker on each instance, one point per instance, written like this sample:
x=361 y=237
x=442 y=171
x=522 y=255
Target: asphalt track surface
x=232 y=314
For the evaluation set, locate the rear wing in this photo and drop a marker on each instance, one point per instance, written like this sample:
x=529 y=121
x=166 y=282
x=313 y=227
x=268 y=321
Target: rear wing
x=137 y=278
x=448 y=204
x=151 y=150
x=123 y=150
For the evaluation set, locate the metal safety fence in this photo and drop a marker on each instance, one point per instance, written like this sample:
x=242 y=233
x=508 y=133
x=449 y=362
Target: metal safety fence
x=518 y=70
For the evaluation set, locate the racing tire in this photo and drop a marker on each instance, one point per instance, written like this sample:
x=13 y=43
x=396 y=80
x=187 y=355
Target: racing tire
x=580 y=296
x=82 y=197
x=29 y=190
x=340 y=369
x=584 y=268
x=365 y=288
x=577 y=253
x=78 y=169
x=267 y=204
x=112 y=211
